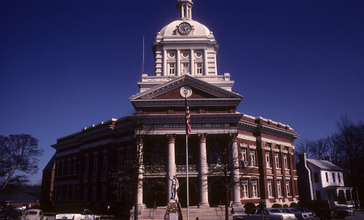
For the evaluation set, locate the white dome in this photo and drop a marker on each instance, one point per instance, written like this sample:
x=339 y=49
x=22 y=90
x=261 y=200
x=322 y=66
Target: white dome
x=198 y=29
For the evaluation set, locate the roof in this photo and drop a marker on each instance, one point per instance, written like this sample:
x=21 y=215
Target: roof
x=17 y=197
x=324 y=165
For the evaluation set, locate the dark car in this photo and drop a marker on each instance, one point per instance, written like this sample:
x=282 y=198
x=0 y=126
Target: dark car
x=325 y=209
x=342 y=213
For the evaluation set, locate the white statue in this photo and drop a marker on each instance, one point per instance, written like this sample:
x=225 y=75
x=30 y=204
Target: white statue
x=174 y=188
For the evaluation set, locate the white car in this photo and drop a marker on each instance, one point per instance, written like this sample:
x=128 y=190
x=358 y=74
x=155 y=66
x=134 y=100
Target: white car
x=33 y=214
x=85 y=215
x=343 y=205
x=269 y=213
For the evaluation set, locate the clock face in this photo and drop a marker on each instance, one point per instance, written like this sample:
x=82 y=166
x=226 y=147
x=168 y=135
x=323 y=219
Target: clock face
x=184 y=28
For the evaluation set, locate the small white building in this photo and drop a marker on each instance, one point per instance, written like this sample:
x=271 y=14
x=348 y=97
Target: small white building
x=321 y=180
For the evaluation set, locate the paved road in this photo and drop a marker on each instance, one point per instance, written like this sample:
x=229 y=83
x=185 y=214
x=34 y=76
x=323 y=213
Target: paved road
x=358 y=215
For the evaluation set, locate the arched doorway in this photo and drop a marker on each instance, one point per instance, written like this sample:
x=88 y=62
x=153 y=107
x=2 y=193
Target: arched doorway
x=217 y=191
x=194 y=195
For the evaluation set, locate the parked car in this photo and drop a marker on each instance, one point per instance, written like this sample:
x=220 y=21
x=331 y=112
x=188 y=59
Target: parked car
x=269 y=213
x=325 y=209
x=343 y=205
x=304 y=209
x=302 y=215
x=342 y=213
x=85 y=215
x=33 y=214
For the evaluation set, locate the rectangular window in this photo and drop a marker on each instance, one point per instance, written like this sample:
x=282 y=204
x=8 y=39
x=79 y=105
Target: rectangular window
x=62 y=170
x=171 y=69
x=316 y=177
x=104 y=161
x=279 y=188
x=255 y=188
x=288 y=188
x=277 y=160
x=267 y=159
x=96 y=162
x=243 y=154
x=94 y=191
x=199 y=68
x=87 y=161
x=244 y=186
x=104 y=191
x=75 y=166
x=269 y=186
x=338 y=177
x=327 y=177
x=85 y=192
x=69 y=167
x=333 y=177
x=252 y=158
x=285 y=161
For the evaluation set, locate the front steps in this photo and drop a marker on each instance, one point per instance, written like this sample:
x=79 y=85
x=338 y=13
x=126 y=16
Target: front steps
x=203 y=213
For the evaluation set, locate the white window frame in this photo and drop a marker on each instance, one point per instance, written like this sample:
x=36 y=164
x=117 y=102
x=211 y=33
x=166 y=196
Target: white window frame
x=285 y=161
x=171 y=68
x=288 y=188
x=267 y=159
x=255 y=188
x=276 y=155
x=245 y=187
x=269 y=187
x=252 y=158
x=279 y=188
x=243 y=154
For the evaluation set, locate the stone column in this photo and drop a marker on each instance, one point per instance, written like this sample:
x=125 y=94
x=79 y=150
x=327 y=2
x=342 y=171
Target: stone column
x=140 y=172
x=203 y=172
x=178 y=62
x=192 y=61
x=171 y=169
x=235 y=172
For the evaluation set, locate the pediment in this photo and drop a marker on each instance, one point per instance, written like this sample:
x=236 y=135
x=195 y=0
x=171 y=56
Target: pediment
x=171 y=90
x=168 y=94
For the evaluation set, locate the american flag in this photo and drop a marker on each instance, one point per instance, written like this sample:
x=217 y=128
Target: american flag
x=188 y=125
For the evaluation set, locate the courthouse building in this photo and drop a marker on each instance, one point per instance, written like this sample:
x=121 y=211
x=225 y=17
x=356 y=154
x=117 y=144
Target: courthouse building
x=259 y=151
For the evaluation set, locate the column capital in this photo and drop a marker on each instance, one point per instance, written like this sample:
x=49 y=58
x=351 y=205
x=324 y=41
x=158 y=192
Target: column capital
x=139 y=139
x=171 y=138
x=234 y=136
x=202 y=136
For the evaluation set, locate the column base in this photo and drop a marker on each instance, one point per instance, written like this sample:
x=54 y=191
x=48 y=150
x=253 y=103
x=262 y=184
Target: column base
x=202 y=205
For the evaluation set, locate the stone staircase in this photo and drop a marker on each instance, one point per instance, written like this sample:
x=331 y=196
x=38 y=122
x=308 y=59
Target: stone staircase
x=195 y=213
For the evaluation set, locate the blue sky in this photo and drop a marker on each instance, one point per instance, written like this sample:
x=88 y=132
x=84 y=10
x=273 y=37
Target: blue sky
x=68 y=64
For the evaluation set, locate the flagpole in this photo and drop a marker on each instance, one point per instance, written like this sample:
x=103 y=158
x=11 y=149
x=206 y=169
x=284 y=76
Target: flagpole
x=187 y=168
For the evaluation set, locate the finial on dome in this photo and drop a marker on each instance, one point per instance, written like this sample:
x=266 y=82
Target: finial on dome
x=184 y=9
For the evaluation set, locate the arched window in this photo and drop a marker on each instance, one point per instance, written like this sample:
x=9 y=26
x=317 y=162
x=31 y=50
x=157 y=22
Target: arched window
x=181 y=154
x=216 y=154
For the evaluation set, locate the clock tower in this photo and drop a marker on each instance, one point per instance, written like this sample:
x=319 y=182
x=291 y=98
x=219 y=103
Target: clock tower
x=185 y=47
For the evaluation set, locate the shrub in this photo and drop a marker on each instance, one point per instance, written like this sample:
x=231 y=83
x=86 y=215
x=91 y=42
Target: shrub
x=249 y=206
x=276 y=205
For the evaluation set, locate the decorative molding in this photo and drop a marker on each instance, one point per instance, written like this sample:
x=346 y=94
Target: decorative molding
x=202 y=137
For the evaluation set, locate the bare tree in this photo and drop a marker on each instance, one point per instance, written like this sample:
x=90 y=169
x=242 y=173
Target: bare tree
x=345 y=148
x=129 y=178
x=18 y=152
x=227 y=162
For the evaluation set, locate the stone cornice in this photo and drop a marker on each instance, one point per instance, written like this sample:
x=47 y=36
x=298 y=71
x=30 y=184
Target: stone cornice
x=191 y=102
